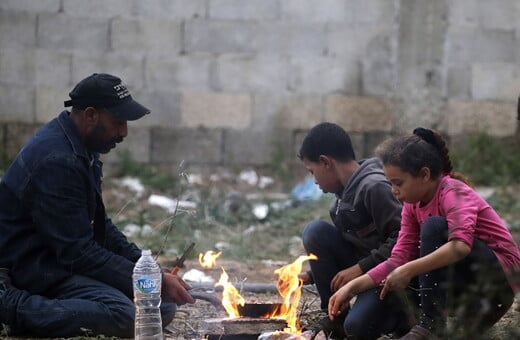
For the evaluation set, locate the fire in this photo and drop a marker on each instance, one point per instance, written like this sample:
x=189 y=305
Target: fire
x=208 y=260
x=289 y=287
x=231 y=298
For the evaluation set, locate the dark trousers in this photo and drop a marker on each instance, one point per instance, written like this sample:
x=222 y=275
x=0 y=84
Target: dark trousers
x=77 y=306
x=474 y=289
x=369 y=317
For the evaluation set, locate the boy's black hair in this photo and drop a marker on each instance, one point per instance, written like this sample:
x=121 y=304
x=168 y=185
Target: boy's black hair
x=327 y=139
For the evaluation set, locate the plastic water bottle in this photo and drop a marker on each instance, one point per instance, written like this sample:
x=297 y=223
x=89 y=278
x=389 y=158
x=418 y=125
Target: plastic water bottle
x=147 y=282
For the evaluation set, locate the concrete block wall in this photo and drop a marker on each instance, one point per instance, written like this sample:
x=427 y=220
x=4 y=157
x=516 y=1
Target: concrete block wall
x=232 y=81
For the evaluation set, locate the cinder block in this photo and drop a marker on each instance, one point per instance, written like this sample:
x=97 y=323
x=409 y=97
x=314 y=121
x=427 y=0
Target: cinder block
x=127 y=66
x=17 y=66
x=458 y=84
x=98 y=8
x=179 y=73
x=177 y=9
x=325 y=75
x=17 y=29
x=220 y=36
x=144 y=36
x=244 y=10
x=421 y=47
x=300 y=112
x=266 y=108
x=216 y=110
x=49 y=102
x=31 y=5
x=291 y=38
x=378 y=75
x=360 y=114
x=53 y=68
x=18 y=103
x=88 y=33
x=464 y=12
x=164 y=107
x=481 y=45
x=351 y=40
x=254 y=147
x=137 y=144
x=487 y=14
x=250 y=73
x=193 y=146
x=373 y=11
x=495 y=118
x=319 y=11
x=31 y=66
x=495 y=81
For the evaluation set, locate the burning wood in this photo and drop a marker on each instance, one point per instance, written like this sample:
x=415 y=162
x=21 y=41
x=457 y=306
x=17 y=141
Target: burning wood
x=289 y=287
x=209 y=259
x=231 y=298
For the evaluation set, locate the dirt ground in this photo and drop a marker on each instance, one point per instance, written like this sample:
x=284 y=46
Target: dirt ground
x=189 y=323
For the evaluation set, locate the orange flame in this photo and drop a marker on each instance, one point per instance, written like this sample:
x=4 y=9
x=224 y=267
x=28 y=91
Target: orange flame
x=289 y=287
x=208 y=260
x=231 y=298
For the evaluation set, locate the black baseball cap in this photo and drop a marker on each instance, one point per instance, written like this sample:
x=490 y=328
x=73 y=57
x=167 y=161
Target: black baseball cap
x=101 y=90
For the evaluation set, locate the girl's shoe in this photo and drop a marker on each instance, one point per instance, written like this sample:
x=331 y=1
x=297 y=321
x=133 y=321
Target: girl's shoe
x=419 y=333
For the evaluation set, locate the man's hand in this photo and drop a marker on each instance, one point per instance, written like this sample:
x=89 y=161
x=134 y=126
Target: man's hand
x=174 y=289
x=344 y=277
x=399 y=278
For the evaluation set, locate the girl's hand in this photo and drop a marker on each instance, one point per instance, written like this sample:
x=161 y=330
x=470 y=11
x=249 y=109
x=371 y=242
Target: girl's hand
x=399 y=278
x=339 y=302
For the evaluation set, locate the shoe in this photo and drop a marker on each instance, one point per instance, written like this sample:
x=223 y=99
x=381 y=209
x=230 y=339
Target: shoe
x=331 y=329
x=5 y=281
x=419 y=333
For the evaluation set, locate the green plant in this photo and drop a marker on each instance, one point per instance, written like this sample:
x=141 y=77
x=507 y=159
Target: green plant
x=487 y=160
x=281 y=163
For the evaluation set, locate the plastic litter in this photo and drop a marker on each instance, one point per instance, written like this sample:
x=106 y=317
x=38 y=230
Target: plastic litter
x=307 y=190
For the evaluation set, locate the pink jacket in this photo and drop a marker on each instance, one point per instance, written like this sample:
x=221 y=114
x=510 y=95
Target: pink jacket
x=469 y=216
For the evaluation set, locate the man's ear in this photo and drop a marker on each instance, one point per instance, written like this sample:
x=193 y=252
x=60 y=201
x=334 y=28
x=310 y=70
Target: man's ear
x=91 y=115
x=325 y=160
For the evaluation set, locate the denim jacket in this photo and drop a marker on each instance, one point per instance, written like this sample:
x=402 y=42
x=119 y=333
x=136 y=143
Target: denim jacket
x=52 y=218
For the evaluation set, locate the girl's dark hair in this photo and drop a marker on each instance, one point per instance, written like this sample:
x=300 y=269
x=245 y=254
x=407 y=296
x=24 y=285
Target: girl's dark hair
x=327 y=139
x=423 y=148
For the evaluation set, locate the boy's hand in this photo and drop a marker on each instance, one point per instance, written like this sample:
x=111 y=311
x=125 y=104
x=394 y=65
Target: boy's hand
x=344 y=277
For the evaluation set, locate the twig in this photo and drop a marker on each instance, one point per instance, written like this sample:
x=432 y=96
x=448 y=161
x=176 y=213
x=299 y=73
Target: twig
x=170 y=226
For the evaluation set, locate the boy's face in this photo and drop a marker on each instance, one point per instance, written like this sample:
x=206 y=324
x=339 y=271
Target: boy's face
x=324 y=174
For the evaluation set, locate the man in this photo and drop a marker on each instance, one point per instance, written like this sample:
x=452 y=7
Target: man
x=366 y=220
x=65 y=267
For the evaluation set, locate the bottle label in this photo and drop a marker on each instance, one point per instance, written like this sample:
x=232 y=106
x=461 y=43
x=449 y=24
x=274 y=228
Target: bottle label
x=147 y=286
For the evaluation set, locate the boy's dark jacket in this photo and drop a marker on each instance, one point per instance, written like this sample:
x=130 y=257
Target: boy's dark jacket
x=368 y=214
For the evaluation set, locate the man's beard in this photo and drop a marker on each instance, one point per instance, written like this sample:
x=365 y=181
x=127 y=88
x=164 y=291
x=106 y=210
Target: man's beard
x=96 y=140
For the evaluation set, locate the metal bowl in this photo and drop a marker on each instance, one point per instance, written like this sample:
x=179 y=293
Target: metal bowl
x=259 y=310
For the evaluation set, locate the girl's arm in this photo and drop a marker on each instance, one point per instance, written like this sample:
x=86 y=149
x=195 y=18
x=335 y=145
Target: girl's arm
x=447 y=254
x=340 y=300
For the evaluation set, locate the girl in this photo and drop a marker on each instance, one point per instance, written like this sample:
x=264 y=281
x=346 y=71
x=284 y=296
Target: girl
x=450 y=238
